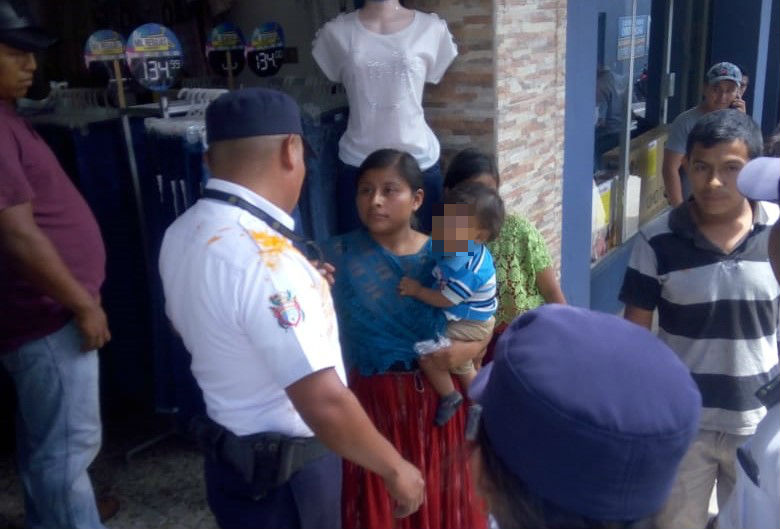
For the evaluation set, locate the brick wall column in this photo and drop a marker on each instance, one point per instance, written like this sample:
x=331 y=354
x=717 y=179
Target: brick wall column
x=461 y=109
x=505 y=94
x=530 y=89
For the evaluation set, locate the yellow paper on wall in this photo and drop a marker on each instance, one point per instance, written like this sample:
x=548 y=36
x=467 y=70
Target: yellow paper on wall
x=605 y=190
x=652 y=158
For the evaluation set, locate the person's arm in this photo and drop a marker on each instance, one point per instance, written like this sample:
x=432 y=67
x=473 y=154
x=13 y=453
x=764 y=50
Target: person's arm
x=413 y=288
x=549 y=287
x=334 y=414
x=639 y=316
x=671 y=171
x=37 y=260
x=641 y=289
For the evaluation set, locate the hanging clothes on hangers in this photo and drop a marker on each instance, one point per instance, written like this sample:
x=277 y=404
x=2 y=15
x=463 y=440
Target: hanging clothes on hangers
x=83 y=130
x=174 y=180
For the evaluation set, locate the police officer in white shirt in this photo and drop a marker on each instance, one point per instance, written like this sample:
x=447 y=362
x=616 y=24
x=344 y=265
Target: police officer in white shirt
x=258 y=320
x=755 y=500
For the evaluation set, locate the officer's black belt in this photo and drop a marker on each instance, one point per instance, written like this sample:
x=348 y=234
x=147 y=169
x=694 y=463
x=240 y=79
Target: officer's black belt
x=264 y=460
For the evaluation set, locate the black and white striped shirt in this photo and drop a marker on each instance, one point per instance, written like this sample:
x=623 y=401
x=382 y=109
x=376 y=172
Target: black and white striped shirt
x=718 y=311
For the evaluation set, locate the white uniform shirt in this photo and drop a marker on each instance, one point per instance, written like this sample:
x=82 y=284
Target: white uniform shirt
x=384 y=77
x=751 y=506
x=253 y=313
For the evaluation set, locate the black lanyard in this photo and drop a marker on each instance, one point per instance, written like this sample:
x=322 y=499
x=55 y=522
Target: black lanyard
x=274 y=224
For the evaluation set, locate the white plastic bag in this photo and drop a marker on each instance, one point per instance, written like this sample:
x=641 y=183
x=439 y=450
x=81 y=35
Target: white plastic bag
x=427 y=347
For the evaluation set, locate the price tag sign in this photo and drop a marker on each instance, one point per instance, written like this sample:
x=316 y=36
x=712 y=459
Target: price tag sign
x=154 y=56
x=104 y=45
x=265 y=52
x=226 y=39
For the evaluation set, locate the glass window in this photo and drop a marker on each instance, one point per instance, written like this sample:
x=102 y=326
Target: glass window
x=627 y=158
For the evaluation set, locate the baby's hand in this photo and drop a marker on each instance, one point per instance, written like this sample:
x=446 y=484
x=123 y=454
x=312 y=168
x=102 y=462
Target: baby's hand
x=409 y=287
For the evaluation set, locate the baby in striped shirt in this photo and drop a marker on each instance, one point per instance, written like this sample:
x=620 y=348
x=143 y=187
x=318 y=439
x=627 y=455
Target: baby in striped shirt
x=472 y=215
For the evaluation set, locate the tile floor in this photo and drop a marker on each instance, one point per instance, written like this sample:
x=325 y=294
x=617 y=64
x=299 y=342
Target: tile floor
x=160 y=487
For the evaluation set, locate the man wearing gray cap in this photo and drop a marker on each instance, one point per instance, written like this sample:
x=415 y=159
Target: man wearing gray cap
x=258 y=320
x=52 y=264
x=722 y=90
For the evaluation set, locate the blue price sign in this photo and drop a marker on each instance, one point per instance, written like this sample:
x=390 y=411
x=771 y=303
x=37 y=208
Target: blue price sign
x=104 y=46
x=225 y=40
x=265 y=52
x=154 y=56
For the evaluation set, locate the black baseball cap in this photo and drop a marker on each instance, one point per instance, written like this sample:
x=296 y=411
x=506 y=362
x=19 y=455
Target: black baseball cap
x=253 y=112
x=19 y=30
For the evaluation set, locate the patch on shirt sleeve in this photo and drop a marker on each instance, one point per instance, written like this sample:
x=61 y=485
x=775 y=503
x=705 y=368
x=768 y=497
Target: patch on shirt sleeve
x=286 y=310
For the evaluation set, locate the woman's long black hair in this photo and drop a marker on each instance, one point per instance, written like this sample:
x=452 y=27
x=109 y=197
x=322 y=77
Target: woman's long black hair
x=467 y=164
x=513 y=504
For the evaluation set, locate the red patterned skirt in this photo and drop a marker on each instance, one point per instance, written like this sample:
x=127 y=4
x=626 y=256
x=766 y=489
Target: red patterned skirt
x=402 y=406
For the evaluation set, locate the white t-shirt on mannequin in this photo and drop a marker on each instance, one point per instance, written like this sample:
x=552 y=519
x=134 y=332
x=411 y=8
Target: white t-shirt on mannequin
x=384 y=77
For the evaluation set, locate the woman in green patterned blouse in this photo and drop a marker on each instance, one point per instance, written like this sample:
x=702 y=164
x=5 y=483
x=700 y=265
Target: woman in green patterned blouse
x=524 y=271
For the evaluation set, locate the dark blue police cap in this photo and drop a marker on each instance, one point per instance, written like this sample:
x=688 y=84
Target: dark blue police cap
x=591 y=412
x=252 y=112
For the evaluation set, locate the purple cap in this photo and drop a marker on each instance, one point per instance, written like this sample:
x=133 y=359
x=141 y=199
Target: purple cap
x=760 y=179
x=590 y=411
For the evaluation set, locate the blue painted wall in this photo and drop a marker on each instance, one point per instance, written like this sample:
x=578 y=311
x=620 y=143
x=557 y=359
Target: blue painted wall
x=772 y=80
x=607 y=277
x=581 y=30
x=581 y=50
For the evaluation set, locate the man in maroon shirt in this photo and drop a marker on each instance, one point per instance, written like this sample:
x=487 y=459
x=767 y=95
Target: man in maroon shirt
x=52 y=263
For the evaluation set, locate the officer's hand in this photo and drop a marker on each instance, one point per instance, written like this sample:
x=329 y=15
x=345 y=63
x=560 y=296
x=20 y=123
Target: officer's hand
x=93 y=326
x=739 y=104
x=409 y=287
x=326 y=270
x=407 y=488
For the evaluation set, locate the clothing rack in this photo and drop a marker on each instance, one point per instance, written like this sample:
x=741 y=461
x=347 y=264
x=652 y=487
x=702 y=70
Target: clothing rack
x=71 y=107
x=191 y=126
x=85 y=134
x=315 y=94
x=173 y=182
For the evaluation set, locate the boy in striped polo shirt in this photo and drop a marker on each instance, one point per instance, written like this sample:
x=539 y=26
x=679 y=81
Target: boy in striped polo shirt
x=471 y=216
x=704 y=266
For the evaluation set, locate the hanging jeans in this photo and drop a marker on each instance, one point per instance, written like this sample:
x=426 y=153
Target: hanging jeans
x=318 y=204
x=58 y=428
x=172 y=183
